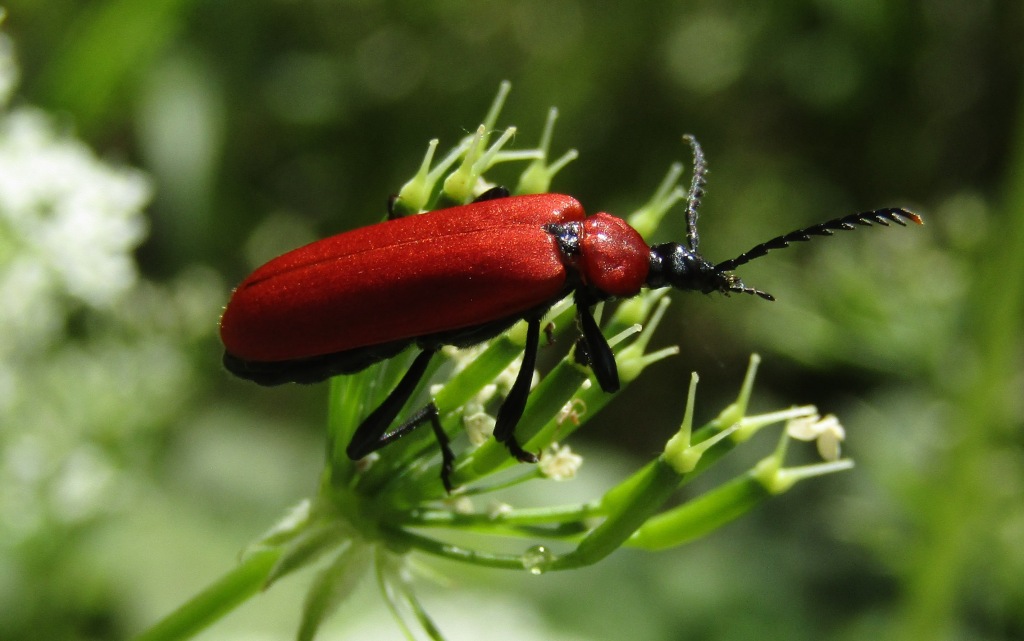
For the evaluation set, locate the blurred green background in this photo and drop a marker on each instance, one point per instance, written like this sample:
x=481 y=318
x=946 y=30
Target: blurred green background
x=134 y=469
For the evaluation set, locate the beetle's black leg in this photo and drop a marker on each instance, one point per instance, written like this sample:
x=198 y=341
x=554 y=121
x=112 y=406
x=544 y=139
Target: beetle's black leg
x=599 y=354
x=493 y=194
x=512 y=409
x=430 y=413
x=392 y=214
x=372 y=434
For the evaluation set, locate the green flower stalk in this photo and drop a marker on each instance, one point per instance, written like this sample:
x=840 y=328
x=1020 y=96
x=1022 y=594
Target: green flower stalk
x=375 y=513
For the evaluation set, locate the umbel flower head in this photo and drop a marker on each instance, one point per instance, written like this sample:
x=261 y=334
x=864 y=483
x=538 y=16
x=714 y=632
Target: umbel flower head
x=377 y=512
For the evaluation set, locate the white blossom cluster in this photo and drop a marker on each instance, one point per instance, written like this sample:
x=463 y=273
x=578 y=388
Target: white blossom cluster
x=83 y=365
x=68 y=223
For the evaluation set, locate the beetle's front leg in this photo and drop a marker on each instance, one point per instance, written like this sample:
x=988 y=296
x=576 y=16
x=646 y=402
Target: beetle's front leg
x=599 y=354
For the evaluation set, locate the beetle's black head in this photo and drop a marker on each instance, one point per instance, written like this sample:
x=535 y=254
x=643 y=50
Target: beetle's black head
x=674 y=265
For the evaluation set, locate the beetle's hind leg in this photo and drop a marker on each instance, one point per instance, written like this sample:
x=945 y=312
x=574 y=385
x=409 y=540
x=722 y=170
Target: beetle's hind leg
x=431 y=414
x=372 y=434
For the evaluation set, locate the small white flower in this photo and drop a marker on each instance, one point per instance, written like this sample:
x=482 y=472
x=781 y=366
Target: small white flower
x=559 y=463
x=365 y=463
x=461 y=357
x=486 y=393
x=497 y=509
x=827 y=432
x=461 y=505
x=479 y=425
x=571 y=411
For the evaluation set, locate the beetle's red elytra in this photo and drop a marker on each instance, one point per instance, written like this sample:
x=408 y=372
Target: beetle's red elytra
x=403 y=279
x=460 y=276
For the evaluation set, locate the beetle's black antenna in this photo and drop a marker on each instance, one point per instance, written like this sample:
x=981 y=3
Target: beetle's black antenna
x=865 y=218
x=743 y=289
x=700 y=170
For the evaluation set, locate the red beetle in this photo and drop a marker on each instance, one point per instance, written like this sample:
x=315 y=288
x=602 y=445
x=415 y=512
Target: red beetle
x=460 y=276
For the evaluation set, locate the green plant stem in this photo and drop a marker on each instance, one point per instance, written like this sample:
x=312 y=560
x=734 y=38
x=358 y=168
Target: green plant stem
x=701 y=515
x=647 y=495
x=215 y=601
x=455 y=552
x=517 y=517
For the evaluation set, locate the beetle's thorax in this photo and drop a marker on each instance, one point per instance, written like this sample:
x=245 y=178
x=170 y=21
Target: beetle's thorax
x=673 y=265
x=604 y=253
